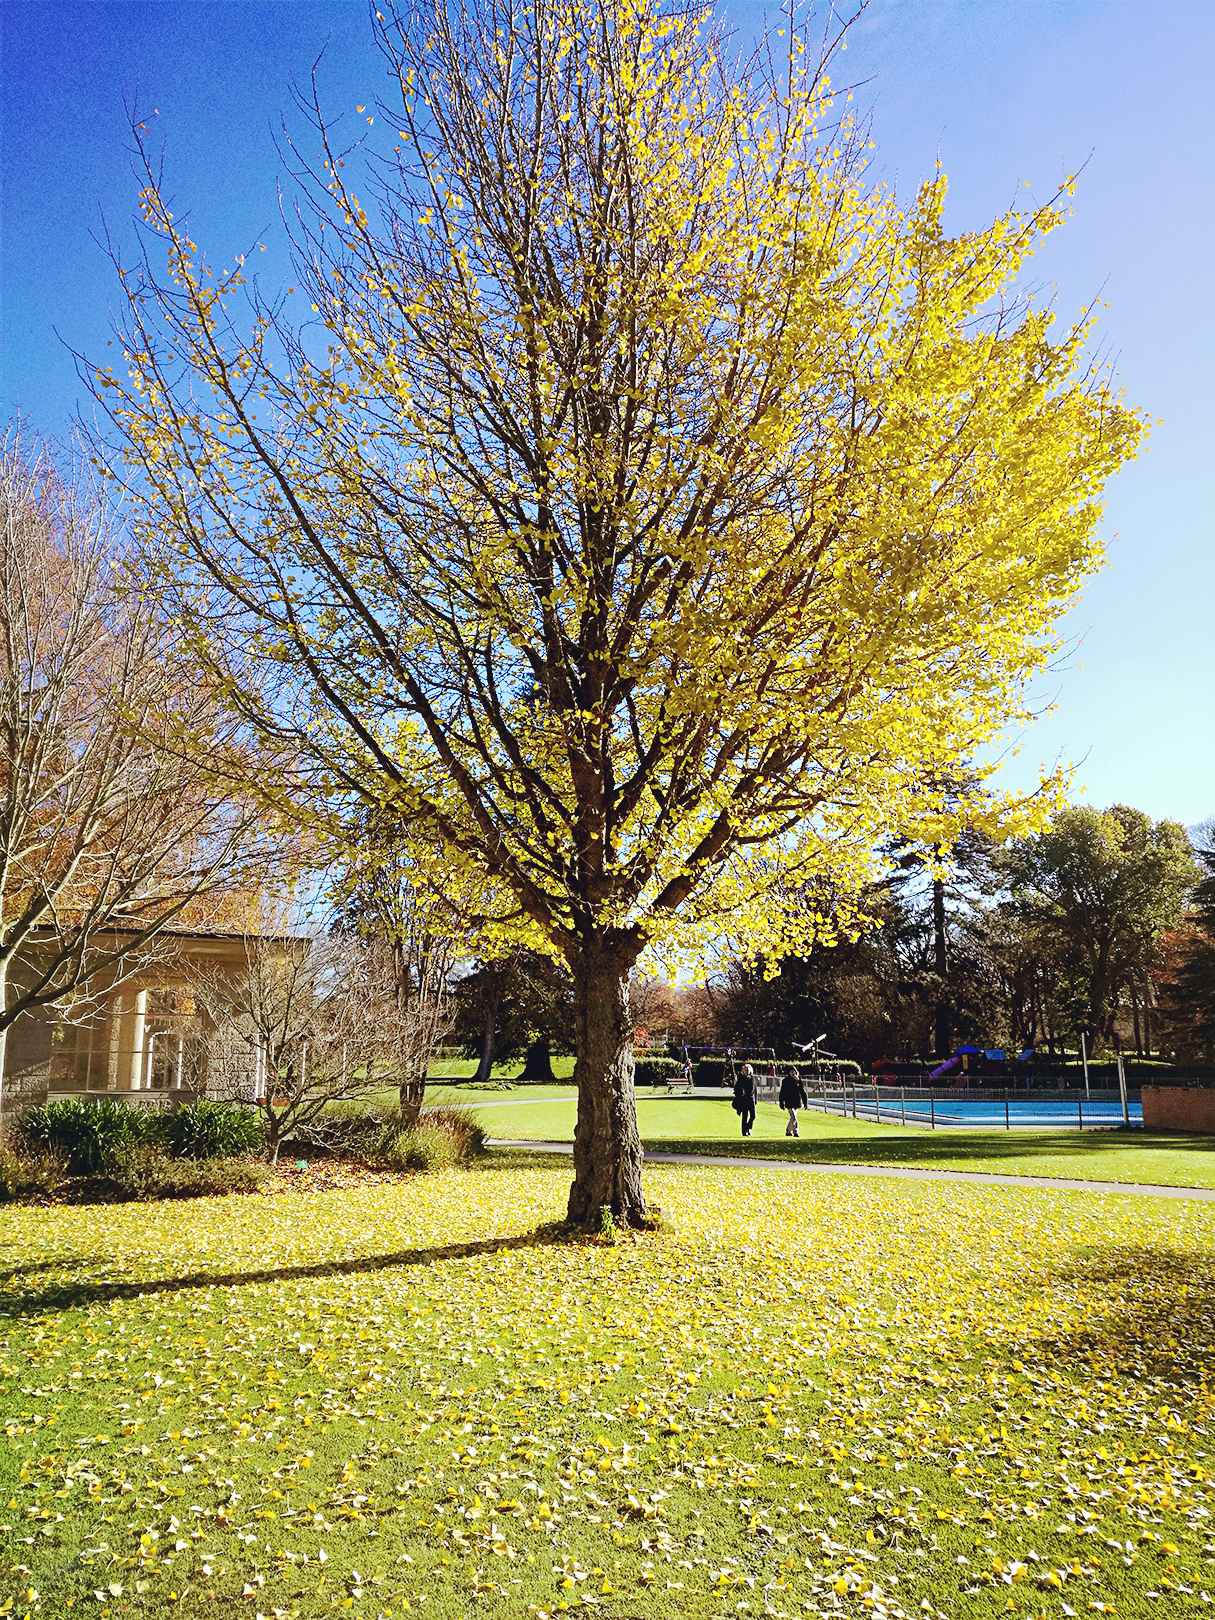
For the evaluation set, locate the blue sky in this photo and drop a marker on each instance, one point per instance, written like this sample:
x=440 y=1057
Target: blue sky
x=1004 y=93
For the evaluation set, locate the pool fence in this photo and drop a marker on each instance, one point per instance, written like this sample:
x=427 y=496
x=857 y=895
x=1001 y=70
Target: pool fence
x=986 y=1108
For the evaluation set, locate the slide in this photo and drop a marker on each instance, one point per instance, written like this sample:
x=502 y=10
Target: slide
x=947 y=1067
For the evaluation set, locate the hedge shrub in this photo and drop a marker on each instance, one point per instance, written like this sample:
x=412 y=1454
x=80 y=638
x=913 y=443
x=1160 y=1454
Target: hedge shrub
x=141 y=1170
x=31 y=1170
x=441 y=1138
x=208 y=1130
x=655 y=1071
x=713 y=1071
x=90 y=1132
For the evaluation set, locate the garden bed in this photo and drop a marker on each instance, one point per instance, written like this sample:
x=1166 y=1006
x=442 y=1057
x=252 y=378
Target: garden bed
x=324 y=1174
x=78 y=1152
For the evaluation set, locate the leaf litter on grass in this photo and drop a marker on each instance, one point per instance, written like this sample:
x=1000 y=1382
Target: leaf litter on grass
x=798 y=1398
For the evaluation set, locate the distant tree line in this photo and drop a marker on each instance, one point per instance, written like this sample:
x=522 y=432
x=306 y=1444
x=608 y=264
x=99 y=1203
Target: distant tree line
x=1101 y=926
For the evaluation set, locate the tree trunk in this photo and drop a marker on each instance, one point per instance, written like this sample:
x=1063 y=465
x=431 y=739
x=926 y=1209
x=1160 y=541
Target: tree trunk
x=3 y=1037
x=943 y=1033
x=485 y=1067
x=274 y=1137
x=412 y=1094
x=538 y=1069
x=607 y=1143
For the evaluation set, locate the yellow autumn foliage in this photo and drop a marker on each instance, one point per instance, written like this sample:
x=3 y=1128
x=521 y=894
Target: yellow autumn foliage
x=660 y=504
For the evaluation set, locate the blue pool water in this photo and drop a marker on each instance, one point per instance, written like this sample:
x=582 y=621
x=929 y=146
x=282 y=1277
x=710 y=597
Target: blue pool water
x=1022 y=1111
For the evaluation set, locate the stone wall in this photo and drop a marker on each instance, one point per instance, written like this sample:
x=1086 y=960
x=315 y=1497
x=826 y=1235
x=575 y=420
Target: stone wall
x=1178 y=1108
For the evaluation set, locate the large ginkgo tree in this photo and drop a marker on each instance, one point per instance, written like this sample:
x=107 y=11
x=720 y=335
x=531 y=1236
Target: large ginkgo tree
x=641 y=506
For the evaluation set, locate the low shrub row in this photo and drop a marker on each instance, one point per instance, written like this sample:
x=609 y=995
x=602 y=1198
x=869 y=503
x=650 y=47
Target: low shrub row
x=95 y=1133
x=139 y=1170
x=655 y=1071
x=843 y=1068
x=205 y=1147
x=714 y=1071
x=440 y=1139
x=26 y=1170
x=144 y=1171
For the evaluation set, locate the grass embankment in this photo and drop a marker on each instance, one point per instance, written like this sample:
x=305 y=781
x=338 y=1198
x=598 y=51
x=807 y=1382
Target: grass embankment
x=799 y=1398
x=462 y=1069
x=694 y=1125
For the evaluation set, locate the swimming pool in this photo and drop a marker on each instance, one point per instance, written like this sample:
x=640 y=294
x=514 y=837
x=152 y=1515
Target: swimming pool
x=914 y=1107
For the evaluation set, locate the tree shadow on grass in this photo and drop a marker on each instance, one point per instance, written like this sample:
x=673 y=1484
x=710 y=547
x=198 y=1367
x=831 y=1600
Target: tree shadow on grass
x=518 y=1158
x=1152 y=1313
x=68 y=1263
x=1086 y=1150
x=65 y=1296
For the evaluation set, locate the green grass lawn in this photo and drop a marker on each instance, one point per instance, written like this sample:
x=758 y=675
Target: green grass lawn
x=799 y=1397
x=462 y=1069
x=1166 y=1158
x=695 y=1125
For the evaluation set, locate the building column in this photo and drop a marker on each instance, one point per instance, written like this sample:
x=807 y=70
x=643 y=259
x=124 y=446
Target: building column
x=137 y=1040
x=114 y=1014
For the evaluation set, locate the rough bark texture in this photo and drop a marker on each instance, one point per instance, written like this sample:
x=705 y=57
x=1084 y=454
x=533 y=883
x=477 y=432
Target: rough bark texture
x=4 y=1102
x=538 y=1069
x=607 y=1143
x=943 y=1033
x=412 y=1094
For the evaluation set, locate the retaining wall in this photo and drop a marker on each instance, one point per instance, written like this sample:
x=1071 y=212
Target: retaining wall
x=1178 y=1108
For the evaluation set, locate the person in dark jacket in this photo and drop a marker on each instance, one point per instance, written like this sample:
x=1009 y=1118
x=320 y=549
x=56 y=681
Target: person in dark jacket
x=744 y=1097
x=792 y=1097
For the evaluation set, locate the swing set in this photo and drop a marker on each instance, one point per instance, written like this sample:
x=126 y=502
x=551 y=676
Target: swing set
x=734 y=1055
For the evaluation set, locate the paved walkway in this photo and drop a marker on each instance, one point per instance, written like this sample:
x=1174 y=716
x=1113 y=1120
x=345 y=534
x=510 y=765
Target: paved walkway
x=899 y=1172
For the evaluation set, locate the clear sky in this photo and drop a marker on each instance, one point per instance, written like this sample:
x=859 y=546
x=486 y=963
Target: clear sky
x=1004 y=93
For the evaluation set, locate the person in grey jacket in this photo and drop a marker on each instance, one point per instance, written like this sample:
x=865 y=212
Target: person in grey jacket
x=792 y=1097
x=744 y=1097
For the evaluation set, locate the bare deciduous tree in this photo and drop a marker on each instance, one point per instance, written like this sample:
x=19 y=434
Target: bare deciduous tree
x=309 y=1022
x=379 y=901
x=114 y=820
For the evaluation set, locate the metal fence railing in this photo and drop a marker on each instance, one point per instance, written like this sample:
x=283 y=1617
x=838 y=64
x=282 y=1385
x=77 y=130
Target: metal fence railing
x=987 y=1108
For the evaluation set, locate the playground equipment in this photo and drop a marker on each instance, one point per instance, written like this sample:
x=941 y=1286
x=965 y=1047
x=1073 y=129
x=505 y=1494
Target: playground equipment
x=733 y=1059
x=768 y=1067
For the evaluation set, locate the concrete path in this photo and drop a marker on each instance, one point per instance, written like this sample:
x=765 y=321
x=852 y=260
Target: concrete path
x=899 y=1172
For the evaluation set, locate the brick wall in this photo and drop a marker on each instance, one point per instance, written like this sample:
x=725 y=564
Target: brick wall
x=1178 y=1108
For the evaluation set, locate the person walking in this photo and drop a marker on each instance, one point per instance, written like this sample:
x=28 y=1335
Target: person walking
x=744 y=1097
x=792 y=1097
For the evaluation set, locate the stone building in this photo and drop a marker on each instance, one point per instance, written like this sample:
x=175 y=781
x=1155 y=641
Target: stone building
x=143 y=1040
